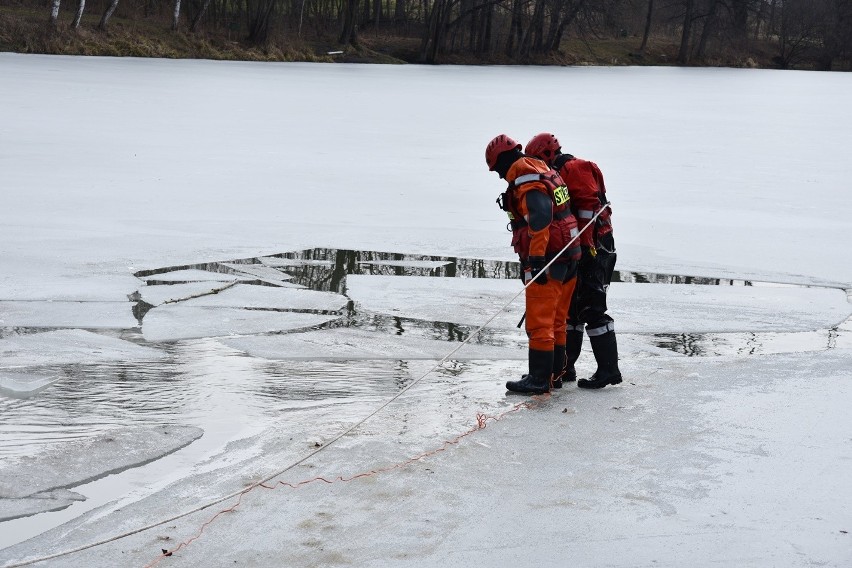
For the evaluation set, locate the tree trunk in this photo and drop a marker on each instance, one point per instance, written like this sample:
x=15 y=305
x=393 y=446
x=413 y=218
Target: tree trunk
x=54 y=12
x=683 y=53
x=197 y=19
x=107 y=15
x=555 y=41
x=349 y=34
x=81 y=5
x=399 y=12
x=739 y=11
x=709 y=28
x=176 y=16
x=647 y=33
x=515 y=31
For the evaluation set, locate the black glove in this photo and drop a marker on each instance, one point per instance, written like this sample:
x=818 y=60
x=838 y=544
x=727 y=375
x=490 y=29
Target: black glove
x=536 y=271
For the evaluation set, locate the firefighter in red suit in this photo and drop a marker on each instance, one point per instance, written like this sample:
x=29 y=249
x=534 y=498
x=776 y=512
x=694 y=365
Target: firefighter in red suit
x=588 y=307
x=542 y=225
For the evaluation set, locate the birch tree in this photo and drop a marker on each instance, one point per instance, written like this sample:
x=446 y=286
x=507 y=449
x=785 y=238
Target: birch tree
x=176 y=16
x=54 y=12
x=107 y=15
x=81 y=5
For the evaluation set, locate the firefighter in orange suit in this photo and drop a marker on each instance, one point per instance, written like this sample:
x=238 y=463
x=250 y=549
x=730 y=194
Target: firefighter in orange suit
x=588 y=307
x=542 y=225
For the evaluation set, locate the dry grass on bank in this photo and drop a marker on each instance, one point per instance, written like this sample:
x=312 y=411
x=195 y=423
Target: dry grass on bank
x=27 y=31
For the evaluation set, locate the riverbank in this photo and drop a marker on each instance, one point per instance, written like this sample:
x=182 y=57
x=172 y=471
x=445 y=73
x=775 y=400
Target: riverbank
x=26 y=31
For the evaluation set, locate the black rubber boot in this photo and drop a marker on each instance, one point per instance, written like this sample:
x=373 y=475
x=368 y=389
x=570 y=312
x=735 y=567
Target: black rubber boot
x=558 y=366
x=605 y=349
x=573 y=346
x=538 y=379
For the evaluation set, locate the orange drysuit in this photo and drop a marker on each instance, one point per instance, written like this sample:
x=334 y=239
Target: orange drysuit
x=543 y=225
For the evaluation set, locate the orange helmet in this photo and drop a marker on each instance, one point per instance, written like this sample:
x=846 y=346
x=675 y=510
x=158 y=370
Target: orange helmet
x=497 y=146
x=543 y=146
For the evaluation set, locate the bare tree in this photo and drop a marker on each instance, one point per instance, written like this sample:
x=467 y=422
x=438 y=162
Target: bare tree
x=197 y=19
x=686 y=33
x=54 y=12
x=648 y=19
x=176 y=16
x=349 y=33
x=81 y=5
x=107 y=15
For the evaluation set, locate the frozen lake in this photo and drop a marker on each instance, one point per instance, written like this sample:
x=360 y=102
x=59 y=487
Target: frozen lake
x=232 y=262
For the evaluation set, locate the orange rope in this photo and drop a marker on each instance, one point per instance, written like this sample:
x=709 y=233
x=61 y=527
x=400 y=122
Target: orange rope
x=482 y=421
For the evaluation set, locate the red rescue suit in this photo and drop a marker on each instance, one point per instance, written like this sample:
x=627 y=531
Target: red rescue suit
x=588 y=195
x=542 y=224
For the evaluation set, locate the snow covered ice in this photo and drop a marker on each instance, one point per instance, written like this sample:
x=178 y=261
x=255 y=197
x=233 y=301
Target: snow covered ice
x=267 y=253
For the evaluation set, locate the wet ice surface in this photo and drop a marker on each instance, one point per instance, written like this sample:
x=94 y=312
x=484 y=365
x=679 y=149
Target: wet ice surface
x=336 y=333
x=88 y=314
x=695 y=454
x=31 y=478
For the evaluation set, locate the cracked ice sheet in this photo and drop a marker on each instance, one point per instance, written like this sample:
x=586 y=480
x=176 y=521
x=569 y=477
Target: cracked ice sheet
x=174 y=322
x=92 y=315
x=248 y=296
x=191 y=275
x=75 y=463
x=261 y=272
x=350 y=344
x=410 y=263
x=277 y=261
x=69 y=346
x=645 y=308
x=161 y=294
x=38 y=503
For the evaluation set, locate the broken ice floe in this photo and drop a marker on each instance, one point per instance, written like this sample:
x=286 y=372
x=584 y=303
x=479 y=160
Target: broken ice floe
x=677 y=308
x=163 y=294
x=267 y=297
x=260 y=272
x=69 y=346
x=411 y=263
x=278 y=261
x=38 y=503
x=192 y=275
x=637 y=308
x=50 y=314
x=173 y=322
x=24 y=385
x=353 y=344
x=75 y=463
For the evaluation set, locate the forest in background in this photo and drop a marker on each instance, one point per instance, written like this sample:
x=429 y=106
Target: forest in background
x=783 y=34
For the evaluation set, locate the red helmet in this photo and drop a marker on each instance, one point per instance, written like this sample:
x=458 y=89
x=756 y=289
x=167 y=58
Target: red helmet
x=543 y=146
x=500 y=144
